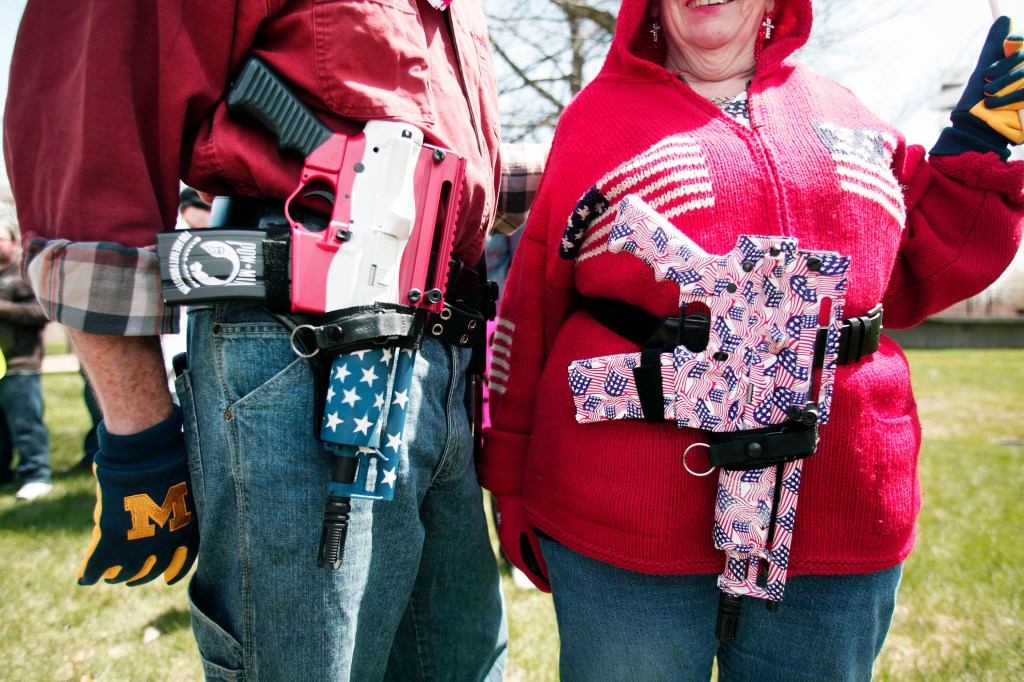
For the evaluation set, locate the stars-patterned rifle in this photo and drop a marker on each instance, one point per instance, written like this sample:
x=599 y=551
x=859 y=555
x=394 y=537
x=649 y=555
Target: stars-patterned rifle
x=752 y=388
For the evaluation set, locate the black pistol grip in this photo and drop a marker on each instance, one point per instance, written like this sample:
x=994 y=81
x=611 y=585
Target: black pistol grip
x=260 y=93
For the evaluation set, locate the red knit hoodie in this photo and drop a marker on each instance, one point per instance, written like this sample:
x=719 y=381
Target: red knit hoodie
x=816 y=164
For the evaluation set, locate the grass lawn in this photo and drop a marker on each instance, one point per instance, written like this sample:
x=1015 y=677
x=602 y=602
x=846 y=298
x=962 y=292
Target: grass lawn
x=959 y=615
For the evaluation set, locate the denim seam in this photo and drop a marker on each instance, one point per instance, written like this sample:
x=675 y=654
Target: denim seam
x=421 y=650
x=248 y=649
x=248 y=610
x=446 y=453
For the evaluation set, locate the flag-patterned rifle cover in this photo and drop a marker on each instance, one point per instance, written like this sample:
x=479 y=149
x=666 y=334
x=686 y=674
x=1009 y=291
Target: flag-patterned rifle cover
x=766 y=300
x=764 y=296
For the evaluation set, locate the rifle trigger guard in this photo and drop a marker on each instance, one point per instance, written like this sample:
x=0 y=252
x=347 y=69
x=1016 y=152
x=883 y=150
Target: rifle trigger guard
x=687 y=466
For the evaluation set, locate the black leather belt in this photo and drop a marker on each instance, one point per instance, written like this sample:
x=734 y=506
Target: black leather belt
x=858 y=336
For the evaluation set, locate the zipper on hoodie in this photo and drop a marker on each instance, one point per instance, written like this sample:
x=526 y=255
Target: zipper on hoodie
x=766 y=160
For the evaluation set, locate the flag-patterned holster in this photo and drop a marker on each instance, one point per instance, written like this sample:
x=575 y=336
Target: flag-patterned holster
x=753 y=389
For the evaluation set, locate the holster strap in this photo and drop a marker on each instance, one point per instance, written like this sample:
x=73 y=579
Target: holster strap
x=456 y=324
x=760 y=448
x=858 y=336
x=470 y=300
x=650 y=385
x=355 y=328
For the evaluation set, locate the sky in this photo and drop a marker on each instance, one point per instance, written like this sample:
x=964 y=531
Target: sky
x=900 y=59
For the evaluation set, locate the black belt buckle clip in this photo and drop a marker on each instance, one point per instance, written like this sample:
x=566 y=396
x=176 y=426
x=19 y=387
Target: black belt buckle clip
x=860 y=336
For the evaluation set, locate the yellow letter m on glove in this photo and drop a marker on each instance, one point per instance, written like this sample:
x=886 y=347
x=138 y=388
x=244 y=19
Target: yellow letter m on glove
x=143 y=510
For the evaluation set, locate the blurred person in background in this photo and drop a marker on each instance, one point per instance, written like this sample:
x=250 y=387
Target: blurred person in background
x=21 y=391
x=90 y=442
x=193 y=212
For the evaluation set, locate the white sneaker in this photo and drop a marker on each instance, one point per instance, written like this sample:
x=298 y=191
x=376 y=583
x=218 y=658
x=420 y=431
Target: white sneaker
x=31 y=491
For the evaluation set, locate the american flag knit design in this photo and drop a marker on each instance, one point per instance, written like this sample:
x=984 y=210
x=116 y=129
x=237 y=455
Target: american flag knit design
x=862 y=158
x=765 y=299
x=675 y=179
x=501 y=353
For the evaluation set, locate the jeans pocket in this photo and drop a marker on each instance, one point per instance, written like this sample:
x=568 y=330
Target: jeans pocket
x=220 y=653
x=183 y=389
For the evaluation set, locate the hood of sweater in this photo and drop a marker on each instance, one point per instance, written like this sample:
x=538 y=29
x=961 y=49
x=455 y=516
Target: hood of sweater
x=635 y=54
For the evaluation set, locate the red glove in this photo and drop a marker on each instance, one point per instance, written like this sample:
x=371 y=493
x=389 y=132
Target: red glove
x=519 y=541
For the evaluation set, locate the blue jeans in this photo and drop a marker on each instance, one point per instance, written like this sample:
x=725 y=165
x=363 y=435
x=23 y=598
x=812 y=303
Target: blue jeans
x=616 y=624
x=21 y=402
x=418 y=595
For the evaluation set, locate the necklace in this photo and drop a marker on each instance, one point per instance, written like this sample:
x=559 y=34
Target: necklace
x=720 y=102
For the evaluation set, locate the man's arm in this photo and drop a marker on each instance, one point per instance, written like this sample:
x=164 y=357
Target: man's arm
x=521 y=167
x=128 y=376
x=93 y=140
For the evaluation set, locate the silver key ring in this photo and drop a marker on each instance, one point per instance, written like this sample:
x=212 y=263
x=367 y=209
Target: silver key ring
x=687 y=466
x=295 y=349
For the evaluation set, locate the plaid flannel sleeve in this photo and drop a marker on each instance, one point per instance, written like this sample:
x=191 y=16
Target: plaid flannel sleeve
x=99 y=287
x=521 y=167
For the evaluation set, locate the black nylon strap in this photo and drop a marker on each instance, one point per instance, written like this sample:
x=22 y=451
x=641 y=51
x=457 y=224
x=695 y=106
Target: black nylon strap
x=744 y=450
x=858 y=336
x=376 y=327
x=633 y=323
x=362 y=327
x=276 y=256
x=456 y=325
x=649 y=386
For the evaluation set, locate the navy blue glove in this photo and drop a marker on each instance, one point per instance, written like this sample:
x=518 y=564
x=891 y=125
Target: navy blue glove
x=144 y=523
x=987 y=119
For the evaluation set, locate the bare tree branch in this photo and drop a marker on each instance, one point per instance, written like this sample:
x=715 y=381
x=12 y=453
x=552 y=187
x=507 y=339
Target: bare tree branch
x=532 y=83
x=581 y=10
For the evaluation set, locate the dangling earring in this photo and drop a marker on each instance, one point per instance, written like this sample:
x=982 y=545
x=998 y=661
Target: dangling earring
x=764 y=35
x=655 y=30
